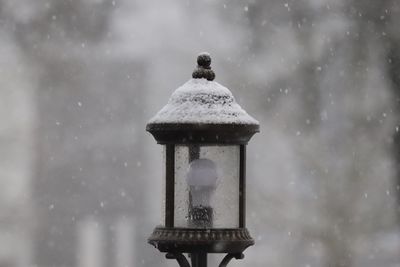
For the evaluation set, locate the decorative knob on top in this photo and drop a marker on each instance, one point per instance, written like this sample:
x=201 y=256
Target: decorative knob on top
x=203 y=69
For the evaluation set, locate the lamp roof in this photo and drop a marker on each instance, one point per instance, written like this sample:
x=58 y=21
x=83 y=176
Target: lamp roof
x=202 y=104
x=203 y=101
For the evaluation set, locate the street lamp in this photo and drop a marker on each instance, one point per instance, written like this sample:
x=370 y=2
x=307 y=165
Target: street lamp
x=204 y=133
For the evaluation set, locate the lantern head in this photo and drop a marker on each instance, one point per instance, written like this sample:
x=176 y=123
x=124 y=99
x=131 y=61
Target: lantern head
x=204 y=132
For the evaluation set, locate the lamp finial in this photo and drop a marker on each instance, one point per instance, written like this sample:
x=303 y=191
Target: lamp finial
x=203 y=69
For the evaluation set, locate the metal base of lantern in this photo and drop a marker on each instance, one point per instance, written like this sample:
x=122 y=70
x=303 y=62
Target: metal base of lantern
x=198 y=242
x=191 y=240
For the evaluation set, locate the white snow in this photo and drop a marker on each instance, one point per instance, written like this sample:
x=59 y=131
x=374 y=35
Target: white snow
x=202 y=101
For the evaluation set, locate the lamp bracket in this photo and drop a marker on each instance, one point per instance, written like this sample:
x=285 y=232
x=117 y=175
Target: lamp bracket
x=183 y=262
x=229 y=257
x=179 y=257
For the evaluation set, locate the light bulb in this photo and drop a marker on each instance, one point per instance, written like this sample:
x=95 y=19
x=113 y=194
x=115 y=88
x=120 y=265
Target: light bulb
x=202 y=180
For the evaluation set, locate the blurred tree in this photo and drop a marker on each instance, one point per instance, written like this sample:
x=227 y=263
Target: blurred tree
x=89 y=156
x=340 y=62
x=391 y=16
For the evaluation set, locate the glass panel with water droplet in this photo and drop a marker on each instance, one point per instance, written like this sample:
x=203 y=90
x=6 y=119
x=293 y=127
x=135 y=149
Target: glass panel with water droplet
x=207 y=186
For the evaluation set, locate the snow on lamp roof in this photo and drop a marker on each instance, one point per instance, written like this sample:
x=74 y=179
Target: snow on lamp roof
x=202 y=100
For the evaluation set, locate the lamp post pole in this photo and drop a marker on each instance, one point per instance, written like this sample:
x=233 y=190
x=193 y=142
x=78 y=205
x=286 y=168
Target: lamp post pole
x=199 y=259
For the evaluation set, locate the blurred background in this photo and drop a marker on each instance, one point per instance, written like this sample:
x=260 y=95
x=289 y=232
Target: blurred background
x=80 y=179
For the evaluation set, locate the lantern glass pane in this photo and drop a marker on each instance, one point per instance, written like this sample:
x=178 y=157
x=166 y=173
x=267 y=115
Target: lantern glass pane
x=181 y=188
x=207 y=186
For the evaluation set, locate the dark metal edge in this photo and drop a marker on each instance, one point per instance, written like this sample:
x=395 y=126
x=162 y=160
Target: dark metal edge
x=169 y=185
x=202 y=133
x=188 y=240
x=242 y=187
